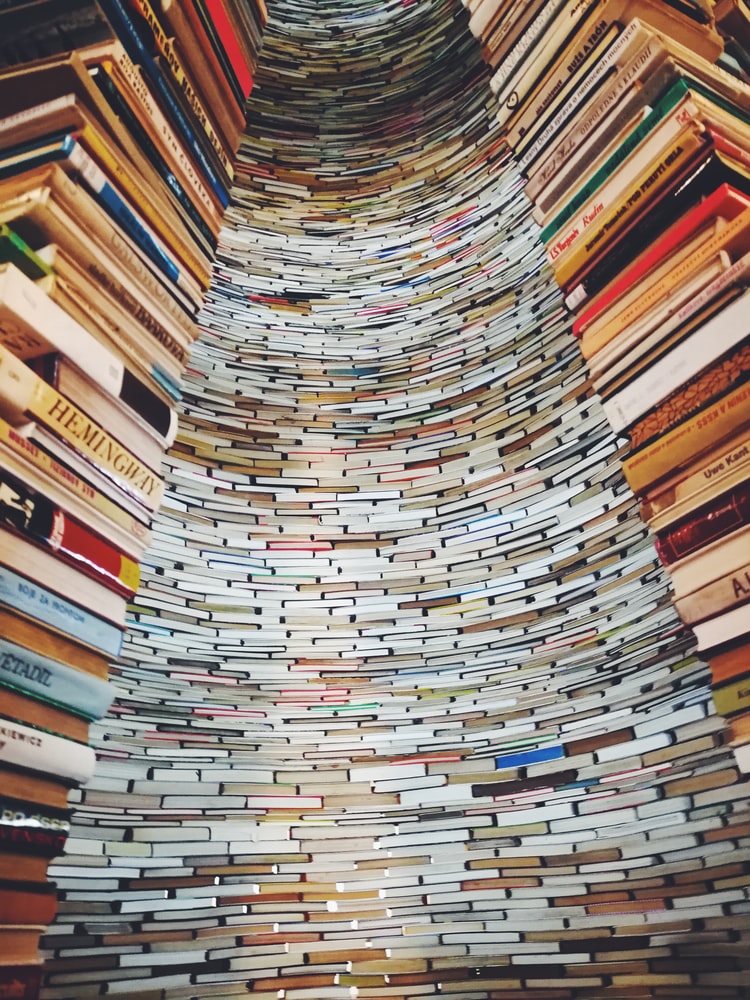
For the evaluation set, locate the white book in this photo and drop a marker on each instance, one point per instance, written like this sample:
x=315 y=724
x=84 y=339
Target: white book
x=38 y=750
x=720 y=334
x=723 y=628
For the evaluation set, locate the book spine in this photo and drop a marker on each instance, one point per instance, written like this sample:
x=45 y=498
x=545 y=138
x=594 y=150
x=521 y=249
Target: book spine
x=570 y=256
x=671 y=115
x=671 y=451
x=690 y=397
x=142 y=103
x=167 y=49
x=228 y=38
x=726 y=464
x=730 y=699
x=579 y=67
x=31 y=324
x=98 y=183
x=23 y=746
x=140 y=56
x=29 y=455
x=604 y=67
x=509 y=67
x=653 y=293
x=74 y=621
x=724 y=201
x=33 y=514
x=24 y=396
x=724 y=331
x=55 y=682
x=727 y=512
x=723 y=594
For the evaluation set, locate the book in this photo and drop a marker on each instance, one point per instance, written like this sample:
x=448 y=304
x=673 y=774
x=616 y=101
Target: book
x=75 y=496
x=701 y=180
x=721 y=515
x=15 y=706
x=712 y=425
x=137 y=435
x=183 y=24
x=45 y=568
x=15 y=251
x=34 y=515
x=732 y=698
x=680 y=277
x=710 y=562
x=562 y=41
x=42 y=642
x=20 y=943
x=33 y=788
x=217 y=21
x=69 y=152
x=24 y=397
x=127 y=92
x=74 y=621
x=137 y=332
x=719 y=470
x=61 y=96
x=210 y=158
x=726 y=664
x=656 y=168
x=45 y=206
x=53 y=681
x=26 y=903
x=23 y=746
x=32 y=324
x=723 y=331
x=714 y=598
x=694 y=300
x=223 y=129
x=725 y=202
x=21 y=982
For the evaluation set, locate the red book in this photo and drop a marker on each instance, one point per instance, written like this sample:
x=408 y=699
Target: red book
x=40 y=519
x=725 y=201
x=722 y=515
x=228 y=39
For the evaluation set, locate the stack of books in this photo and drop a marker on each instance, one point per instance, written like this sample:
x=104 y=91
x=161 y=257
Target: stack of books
x=119 y=130
x=630 y=123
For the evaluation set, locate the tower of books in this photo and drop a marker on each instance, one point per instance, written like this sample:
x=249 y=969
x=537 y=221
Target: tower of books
x=339 y=658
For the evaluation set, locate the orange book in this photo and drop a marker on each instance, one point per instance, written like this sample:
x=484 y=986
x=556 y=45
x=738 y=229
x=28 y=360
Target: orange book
x=730 y=663
x=24 y=903
x=30 y=786
x=23 y=708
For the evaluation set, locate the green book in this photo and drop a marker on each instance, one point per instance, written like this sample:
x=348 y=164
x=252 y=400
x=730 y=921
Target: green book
x=14 y=250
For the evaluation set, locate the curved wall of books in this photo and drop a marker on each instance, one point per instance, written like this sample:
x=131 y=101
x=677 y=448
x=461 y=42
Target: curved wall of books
x=406 y=710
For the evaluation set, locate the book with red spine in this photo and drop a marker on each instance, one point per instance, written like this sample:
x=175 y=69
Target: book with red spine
x=215 y=12
x=37 y=517
x=727 y=512
x=725 y=201
x=21 y=982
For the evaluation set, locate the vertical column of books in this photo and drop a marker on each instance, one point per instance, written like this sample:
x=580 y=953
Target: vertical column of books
x=630 y=123
x=119 y=123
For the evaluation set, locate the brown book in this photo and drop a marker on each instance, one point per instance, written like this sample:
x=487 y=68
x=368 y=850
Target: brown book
x=39 y=638
x=714 y=520
x=23 y=867
x=681 y=446
x=31 y=786
x=23 y=708
x=19 y=944
x=730 y=663
x=25 y=903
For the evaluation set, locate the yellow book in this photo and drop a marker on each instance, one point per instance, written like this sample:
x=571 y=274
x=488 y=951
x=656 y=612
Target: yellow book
x=24 y=397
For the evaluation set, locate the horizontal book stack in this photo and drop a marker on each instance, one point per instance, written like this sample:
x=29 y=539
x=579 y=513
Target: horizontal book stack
x=119 y=127
x=630 y=123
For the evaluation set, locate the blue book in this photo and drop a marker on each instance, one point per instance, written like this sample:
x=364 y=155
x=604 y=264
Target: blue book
x=118 y=16
x=534 y=755
x=55 y=682
x=28 y=597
